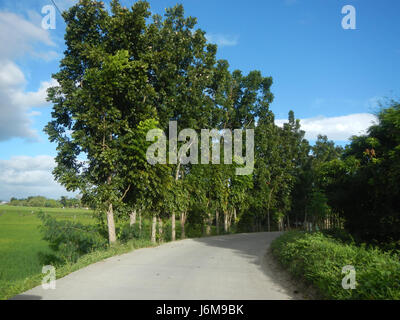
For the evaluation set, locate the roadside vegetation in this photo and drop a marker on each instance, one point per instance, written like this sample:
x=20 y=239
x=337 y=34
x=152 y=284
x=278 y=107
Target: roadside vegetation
x=318 y=259
x=360 y=186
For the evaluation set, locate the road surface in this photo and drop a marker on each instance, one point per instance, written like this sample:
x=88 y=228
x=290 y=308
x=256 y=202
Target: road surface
x=222 y=267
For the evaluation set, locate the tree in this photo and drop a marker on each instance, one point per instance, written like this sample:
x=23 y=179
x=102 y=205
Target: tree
x=362 y=186
x=317 y=208
x=277 y=151
x=182 y=67
x=98 y=101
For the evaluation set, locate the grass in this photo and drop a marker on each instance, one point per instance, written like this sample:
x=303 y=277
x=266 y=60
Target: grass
x=318 y=260
x=13 y=288
x=20 y=241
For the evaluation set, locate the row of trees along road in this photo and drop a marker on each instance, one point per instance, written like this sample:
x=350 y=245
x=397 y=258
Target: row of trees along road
x=125 y=72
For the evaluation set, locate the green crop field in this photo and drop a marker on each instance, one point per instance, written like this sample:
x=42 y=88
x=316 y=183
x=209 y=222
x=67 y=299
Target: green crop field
x=20 y=239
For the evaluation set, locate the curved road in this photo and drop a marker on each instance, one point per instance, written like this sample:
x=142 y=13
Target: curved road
x=223 y=267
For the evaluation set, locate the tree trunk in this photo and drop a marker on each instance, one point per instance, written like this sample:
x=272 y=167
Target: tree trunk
x=230 y=215
x=173 y=226
x=225 y=222
x=217 y=221
x=153 y=229
x=132 y=217
x=110 y=219
x=111 y=225
x=160 y=228
x=173 y=234
x=305 y=220
x=183 y=220
x=140 y=221
x=268 y=215
x=208 y=227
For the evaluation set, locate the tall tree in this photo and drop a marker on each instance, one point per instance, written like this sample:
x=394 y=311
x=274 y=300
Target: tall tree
x=98 y=101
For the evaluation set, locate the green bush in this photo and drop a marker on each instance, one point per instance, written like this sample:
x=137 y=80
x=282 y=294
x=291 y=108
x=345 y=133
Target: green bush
x=127 y=232
x=69 y=240
x=339 y=234
x=319 y=259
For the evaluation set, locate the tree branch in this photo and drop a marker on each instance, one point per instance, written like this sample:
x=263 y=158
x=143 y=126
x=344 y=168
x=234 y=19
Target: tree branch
x=126 y=191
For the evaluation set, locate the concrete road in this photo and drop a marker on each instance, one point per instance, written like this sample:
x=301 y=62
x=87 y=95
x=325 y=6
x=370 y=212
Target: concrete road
x=222 y=267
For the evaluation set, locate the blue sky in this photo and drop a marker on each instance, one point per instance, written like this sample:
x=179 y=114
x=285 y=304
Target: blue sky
x=332 y=78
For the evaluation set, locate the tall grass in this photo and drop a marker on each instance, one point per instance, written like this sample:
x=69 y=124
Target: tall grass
x=318 y=260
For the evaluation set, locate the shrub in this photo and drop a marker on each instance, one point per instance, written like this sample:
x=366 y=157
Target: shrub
x=339 y=234
x=319 y=259
x=69 y=240
x=127 y=232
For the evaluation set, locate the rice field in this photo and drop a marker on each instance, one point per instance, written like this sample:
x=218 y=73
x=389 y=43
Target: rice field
x=20 y=239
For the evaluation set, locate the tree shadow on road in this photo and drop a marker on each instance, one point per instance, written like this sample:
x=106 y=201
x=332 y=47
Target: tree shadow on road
x=260 y=256
x=26 y=297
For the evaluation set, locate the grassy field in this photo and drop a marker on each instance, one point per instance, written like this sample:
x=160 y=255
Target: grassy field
x=20 y=240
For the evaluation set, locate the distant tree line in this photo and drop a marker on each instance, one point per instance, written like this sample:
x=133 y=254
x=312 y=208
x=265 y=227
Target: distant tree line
x=39 y=201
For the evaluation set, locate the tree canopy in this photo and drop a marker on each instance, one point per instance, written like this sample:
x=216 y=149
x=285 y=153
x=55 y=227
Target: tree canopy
x=126 y=72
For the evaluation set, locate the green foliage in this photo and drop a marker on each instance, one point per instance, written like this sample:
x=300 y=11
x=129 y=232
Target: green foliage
x=134 y=232
x=319 y=259
x=317 y=206
x=363 y=186
x=339 y=234
x=69 y=240
x=325 y=150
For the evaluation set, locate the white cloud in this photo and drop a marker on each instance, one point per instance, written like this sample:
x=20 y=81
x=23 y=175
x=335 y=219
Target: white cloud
x=15 y=103
x=23 y=176
x=34 y=98
x=47 y=55
x=336 y=128
x=20 y=37
x=222 y=40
